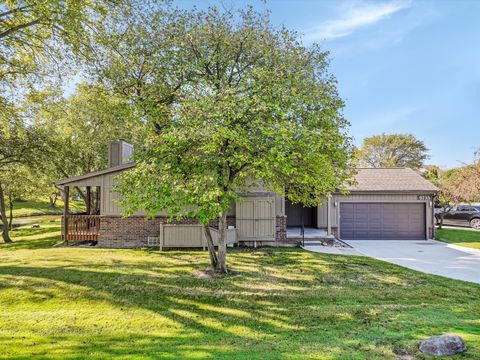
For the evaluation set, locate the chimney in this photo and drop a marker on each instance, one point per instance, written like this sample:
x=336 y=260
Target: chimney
x=119 y=152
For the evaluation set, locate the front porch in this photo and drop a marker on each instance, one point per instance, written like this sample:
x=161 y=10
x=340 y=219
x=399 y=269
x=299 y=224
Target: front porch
x=304 y=226
x=80 y=228
x=83 y=227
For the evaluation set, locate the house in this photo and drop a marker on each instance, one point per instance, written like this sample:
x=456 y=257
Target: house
x=393 y=203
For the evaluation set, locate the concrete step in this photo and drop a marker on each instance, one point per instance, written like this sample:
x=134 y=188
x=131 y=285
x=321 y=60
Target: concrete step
x=312 y=238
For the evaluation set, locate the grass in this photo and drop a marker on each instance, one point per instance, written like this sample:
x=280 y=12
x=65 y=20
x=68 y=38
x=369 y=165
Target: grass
x=79 y=303
x=40 y=207
x=467 y=238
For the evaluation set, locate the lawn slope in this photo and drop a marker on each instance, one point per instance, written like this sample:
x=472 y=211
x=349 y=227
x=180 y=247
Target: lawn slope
x=39 y=207
x=467 y=238
x=75 y=303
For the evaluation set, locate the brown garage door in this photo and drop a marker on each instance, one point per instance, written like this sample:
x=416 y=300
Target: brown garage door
x=382 y=221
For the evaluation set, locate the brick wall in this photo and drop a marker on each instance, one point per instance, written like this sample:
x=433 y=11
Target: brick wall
x=131 y=232
x=281 y=229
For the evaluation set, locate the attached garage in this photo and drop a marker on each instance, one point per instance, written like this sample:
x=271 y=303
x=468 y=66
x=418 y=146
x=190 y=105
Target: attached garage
x=382 y=204
x=382 y=221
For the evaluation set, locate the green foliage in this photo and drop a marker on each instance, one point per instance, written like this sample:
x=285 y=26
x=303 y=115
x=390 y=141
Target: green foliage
x=20 y=146
x=228 y=101
x=74 y=303
x=80 y=127
x=392 y=150
x=19 y=143
x=37 y=37
x=16 y=182
x=464 y=183
x=461 y=184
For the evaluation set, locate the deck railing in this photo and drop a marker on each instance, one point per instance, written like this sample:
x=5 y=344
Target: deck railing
x=80 y=228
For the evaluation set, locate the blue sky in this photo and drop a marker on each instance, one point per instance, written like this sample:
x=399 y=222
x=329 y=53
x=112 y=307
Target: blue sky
x=402 y=66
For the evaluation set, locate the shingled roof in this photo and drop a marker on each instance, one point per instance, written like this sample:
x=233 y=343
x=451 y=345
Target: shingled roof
x=391 y=180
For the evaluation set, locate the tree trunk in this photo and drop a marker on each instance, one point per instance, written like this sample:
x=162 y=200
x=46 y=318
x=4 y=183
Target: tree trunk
x=210 y=246
x=222 y=245
x=3 y=214
x=440 y=223
x=441 y=215
x=83 y=195
x=53 y=200
x=10 y=209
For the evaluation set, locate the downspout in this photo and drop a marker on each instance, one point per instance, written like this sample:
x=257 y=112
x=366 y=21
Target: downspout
x=434 y=230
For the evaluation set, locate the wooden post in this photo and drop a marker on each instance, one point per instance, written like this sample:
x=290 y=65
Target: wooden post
x=89 y=200
x=66 y=198
x=161 y=237
x=329 y=221
x=97 y=200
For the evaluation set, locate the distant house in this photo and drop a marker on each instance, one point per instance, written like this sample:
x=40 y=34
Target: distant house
x=394 y=203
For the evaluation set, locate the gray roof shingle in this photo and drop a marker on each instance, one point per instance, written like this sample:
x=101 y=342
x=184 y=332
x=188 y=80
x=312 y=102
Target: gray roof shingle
x=390 y=179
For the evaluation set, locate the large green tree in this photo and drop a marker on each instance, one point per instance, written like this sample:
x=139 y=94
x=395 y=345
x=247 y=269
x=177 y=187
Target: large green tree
x=464 y=183
x=16 y=183
x=231 y=101
x=37 y=36
x=79 y=128
x=39 y=41
x=392 y=150
x=20 y=144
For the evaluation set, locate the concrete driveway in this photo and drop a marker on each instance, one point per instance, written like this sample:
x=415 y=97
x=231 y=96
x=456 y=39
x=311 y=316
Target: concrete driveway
x=432 y=257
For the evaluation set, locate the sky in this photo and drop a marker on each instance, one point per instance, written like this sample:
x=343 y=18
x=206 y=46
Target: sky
x=402 y=66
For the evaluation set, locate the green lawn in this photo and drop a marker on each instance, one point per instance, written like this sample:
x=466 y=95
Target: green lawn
x=466 y=238
x=78 y=303
x=42 y=207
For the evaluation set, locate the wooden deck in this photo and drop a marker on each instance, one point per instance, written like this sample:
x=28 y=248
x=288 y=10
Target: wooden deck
x=80 y=228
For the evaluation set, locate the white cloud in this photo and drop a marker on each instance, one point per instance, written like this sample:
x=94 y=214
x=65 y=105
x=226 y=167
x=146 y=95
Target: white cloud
x=353 y=17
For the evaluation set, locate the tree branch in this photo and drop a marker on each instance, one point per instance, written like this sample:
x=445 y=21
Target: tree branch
x=12 y=11
x=19 y=27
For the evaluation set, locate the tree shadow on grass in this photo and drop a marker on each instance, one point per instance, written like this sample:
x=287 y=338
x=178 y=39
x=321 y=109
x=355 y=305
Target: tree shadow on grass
x=41 y=242
x=256 y=314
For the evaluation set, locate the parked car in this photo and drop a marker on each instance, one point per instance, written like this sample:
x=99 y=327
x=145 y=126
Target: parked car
x=461 y=215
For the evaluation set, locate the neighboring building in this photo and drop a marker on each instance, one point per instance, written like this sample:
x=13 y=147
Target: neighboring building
x=391 y=203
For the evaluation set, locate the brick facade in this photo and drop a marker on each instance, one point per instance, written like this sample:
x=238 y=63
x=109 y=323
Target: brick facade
x=281 y=230
x=133 y=232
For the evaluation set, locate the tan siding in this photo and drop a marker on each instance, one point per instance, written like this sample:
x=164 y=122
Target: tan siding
x=110 y=197
x=256 y=218
x=182 y=236
x=190 y=236
x=322 y=215
x=93 y=181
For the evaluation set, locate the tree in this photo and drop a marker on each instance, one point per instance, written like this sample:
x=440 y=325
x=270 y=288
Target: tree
x=35 y=35
x=16 y=182
x=80 y=127
x=464 y=184
x=392 y=150
x=230 y=104
x=456 y=185
x=444 y=198
x=19 y=144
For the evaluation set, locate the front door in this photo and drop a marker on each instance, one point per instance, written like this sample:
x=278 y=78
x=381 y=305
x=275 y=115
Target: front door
x=298 y=214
